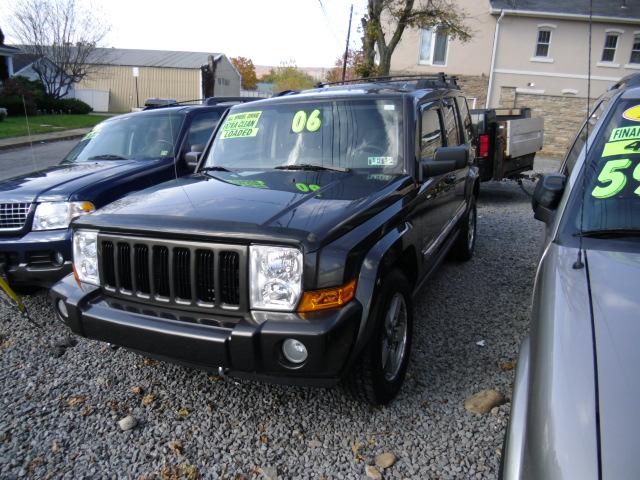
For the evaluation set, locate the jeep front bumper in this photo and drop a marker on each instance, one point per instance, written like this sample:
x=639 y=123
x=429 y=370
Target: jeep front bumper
x=245 y=346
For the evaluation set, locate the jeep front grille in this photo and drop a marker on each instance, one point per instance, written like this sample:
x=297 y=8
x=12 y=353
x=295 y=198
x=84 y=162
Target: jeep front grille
x=13 y=216
x=192 y=275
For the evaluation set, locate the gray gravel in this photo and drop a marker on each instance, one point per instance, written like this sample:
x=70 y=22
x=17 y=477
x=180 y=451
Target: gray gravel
x=60 y=401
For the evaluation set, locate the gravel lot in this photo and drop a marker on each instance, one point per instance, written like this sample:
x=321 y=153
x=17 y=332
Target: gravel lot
x=59 y=411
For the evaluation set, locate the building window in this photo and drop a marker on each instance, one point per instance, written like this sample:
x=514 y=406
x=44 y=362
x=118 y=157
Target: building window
x=610 y=44
x=433 y=46
x=635 y=50
x=542 y=46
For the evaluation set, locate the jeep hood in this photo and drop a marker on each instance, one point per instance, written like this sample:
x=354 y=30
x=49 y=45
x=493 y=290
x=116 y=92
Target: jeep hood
x=297 y=207
x=614 y=280
x=59 y=182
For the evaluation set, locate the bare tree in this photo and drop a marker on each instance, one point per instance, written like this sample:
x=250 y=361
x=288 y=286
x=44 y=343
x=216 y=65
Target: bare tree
x=397 y=15
x=63 y=36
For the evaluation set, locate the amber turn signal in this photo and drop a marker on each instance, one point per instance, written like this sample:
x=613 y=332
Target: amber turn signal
x=327 y=298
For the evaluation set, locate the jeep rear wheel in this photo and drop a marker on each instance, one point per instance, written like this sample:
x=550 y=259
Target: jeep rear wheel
x=378 y=375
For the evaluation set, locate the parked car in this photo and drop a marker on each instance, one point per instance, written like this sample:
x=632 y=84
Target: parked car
x=574 y=408
x=294 y=252
x=120 y=155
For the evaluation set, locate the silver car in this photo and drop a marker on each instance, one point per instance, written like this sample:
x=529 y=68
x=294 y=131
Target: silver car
x=575 y=407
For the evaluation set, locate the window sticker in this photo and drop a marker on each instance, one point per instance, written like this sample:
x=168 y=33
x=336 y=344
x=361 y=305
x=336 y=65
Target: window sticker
x=632 y=113
x=241 y=125
x=625 y=133
x=312 y=122
x=164 y=153
x=614 y=177
x=390 y=107
x=621 y=148
x=381 y=162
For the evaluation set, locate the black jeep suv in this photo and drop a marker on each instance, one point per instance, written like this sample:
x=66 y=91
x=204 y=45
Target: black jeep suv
x=294 y=251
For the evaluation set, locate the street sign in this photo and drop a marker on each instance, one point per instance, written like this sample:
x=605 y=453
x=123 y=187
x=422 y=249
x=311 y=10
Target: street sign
x=136 y=71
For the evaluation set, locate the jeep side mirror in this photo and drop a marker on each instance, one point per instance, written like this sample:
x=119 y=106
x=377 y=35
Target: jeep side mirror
x=445 y=160
x=547 y=195
x=192 y=158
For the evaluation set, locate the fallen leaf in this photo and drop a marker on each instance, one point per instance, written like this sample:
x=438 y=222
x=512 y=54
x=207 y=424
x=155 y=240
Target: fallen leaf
x=148 y=399
x=372 y=472
x=56 y=446
x=33 y=464
x=149 y=362
x=190 y=472
x=136 y=390
x=175 y=446
x=170 y=472
x=86 y=411
x=76 y=400
x=355 y=447
x=264 y=439
x=183 y=412
x=506 y=366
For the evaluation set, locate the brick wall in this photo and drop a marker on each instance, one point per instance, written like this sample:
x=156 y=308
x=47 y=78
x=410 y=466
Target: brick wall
x=562 y=116
x=474 y=86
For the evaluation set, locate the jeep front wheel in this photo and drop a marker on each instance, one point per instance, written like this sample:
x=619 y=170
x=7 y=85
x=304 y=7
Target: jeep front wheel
x=378 y=376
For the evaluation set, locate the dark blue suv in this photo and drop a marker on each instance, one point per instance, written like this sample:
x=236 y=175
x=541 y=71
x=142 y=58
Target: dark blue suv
x=120 y=155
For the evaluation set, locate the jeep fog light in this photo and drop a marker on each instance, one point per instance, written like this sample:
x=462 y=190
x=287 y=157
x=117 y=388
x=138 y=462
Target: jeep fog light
x=294 y=350
x=275 y=277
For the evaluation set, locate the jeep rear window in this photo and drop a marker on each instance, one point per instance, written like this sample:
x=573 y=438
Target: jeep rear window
x=355 y=134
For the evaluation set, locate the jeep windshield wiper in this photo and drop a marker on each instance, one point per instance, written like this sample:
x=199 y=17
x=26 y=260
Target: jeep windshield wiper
x=609 y=233
x=107 y=156
x=310 y=167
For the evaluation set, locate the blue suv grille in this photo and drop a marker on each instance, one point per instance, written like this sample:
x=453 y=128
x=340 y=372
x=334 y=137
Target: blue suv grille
x=13 y=216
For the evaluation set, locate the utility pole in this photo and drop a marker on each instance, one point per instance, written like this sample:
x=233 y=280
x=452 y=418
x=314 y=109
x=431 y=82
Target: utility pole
x=346 y=49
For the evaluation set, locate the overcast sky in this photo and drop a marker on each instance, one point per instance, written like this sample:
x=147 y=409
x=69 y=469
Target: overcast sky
x=310 y=32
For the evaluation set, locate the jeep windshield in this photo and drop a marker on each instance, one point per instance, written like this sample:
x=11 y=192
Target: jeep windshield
x=335 y=135
x=612 y=190
x=137 y=136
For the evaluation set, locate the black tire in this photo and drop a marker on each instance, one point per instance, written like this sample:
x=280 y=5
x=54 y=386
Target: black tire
x=465 y=244
x=368 y=380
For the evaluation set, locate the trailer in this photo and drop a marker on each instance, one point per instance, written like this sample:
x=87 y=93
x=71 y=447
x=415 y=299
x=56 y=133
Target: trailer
x=507 y=142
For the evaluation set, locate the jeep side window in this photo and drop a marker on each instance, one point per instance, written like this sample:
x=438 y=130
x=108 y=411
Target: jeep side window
x=450 y=125
x=465 y=118
x=201 y=128
x=430 y=133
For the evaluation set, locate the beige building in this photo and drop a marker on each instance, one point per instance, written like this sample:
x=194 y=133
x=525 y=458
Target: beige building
x=172 y=75
x=533 y=53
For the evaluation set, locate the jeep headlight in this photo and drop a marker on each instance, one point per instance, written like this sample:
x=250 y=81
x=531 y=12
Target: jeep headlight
x=275 y=277
x=85 y=256
x=55 y=215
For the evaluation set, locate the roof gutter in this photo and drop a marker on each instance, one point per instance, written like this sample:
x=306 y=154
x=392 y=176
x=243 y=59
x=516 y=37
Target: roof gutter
x=563 y=16
x=493 y=59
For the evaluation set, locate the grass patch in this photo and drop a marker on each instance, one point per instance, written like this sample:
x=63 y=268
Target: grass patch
x=17 y=126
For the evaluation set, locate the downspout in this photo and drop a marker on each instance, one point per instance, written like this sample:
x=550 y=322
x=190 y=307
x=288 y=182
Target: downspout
x=493 y=58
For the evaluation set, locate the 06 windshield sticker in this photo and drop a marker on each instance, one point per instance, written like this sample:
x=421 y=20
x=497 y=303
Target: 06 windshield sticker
x=311 y=122
x=241 y=125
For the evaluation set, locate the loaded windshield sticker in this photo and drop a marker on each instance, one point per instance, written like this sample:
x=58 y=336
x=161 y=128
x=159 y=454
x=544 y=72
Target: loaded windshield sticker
x=312 y=122
x=625 y=133
x=632 y=113
x=241 y=125
x=381 y=161
x=614 y=176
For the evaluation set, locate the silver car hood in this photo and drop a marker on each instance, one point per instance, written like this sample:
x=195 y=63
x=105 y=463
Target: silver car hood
x=615 y=290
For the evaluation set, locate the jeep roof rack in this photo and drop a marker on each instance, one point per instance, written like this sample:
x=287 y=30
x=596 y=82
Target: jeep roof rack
x=436 y=80
x=155 y=103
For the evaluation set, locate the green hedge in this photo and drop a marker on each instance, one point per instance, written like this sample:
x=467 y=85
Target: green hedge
x=35 y=99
